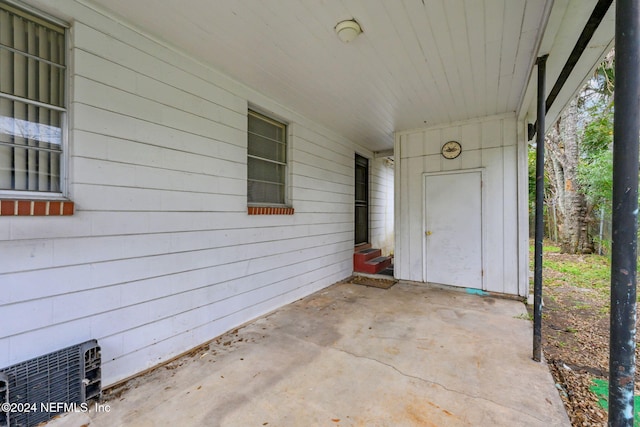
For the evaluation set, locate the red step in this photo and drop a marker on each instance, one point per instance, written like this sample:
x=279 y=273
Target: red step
x=370 y=261
x=376 y=265
x=365 y=255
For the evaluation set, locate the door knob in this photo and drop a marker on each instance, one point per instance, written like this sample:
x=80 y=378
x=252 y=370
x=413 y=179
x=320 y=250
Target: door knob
x=427 y=233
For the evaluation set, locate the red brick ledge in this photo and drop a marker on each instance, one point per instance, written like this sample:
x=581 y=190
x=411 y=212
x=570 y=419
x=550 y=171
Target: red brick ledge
x=267 y=210
x=36 y=207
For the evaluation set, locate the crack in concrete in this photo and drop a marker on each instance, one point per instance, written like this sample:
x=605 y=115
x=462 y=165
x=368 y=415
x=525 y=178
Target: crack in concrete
x=404 y=374
x=427 y=381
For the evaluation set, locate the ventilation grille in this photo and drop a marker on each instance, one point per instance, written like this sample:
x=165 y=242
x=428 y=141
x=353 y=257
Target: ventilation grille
x=41 y=388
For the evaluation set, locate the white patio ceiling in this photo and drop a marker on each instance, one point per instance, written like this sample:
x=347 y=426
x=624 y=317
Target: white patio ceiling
x=418 y=63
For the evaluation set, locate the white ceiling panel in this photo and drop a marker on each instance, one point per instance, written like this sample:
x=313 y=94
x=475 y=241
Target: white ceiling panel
x=418 y=62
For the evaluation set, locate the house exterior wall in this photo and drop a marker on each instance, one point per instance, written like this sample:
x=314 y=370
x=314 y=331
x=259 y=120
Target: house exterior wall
x=382 y=204
x=161 y=255
x=493 y=144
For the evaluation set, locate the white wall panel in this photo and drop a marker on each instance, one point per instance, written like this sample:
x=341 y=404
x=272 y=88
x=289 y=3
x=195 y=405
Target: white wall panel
x=470 y=134
x=381 y=204
x=34 y=284
x=494 y=215
x=489 y=143
x=432 y=163
x=161 y=255
x=131 y=129
x=471 y=159
x=510 y=227
x=415 y=217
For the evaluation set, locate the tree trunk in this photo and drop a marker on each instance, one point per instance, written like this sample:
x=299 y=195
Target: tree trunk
x=564 y=154
x=555 y=185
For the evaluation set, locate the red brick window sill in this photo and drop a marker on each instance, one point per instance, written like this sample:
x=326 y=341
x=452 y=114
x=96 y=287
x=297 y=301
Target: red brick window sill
x=268 y=210
x=36 y=207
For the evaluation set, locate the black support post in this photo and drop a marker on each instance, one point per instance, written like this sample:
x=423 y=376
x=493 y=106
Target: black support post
x=626 y=131
x=539 y=228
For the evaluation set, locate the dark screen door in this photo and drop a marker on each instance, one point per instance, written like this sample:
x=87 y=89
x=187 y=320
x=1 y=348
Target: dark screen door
x=362 y=200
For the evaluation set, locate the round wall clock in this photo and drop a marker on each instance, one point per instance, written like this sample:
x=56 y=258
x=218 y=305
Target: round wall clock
x=451 y=150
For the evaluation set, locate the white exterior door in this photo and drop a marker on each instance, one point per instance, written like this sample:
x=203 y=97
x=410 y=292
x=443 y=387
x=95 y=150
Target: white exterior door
x=453 y=229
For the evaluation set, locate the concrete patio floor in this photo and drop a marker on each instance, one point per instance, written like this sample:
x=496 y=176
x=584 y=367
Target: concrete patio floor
x=350 y=355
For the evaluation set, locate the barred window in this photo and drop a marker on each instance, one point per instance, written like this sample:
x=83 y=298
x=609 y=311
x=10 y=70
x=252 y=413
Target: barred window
x=267 y=160
x=32 y=101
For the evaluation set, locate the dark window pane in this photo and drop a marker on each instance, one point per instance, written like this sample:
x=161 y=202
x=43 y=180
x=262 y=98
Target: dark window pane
x=263 y=192
x=266 y=164
x=32 y=68
x=266 y=148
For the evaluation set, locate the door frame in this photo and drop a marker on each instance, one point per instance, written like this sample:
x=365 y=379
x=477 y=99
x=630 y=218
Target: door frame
x=483 y=223
x=366 y=163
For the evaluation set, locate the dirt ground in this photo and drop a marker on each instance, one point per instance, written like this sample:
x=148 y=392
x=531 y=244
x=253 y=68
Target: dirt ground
x=575 y=329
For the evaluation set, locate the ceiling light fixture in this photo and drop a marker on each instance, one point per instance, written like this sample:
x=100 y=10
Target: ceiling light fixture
x=348 y=30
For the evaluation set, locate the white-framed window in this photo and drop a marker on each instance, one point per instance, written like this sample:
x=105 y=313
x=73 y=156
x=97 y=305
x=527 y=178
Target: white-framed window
x=32 y=102
x=266 y=160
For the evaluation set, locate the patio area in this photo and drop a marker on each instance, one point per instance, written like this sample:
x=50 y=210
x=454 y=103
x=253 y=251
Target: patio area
x=351 y=355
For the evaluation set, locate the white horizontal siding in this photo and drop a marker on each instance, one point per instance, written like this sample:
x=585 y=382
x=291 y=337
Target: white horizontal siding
x=99 y=171
x=161 y=255
x=490 y=144
x=152 y=136
x=254 y=243
x=381 y=204
x=169 y=294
